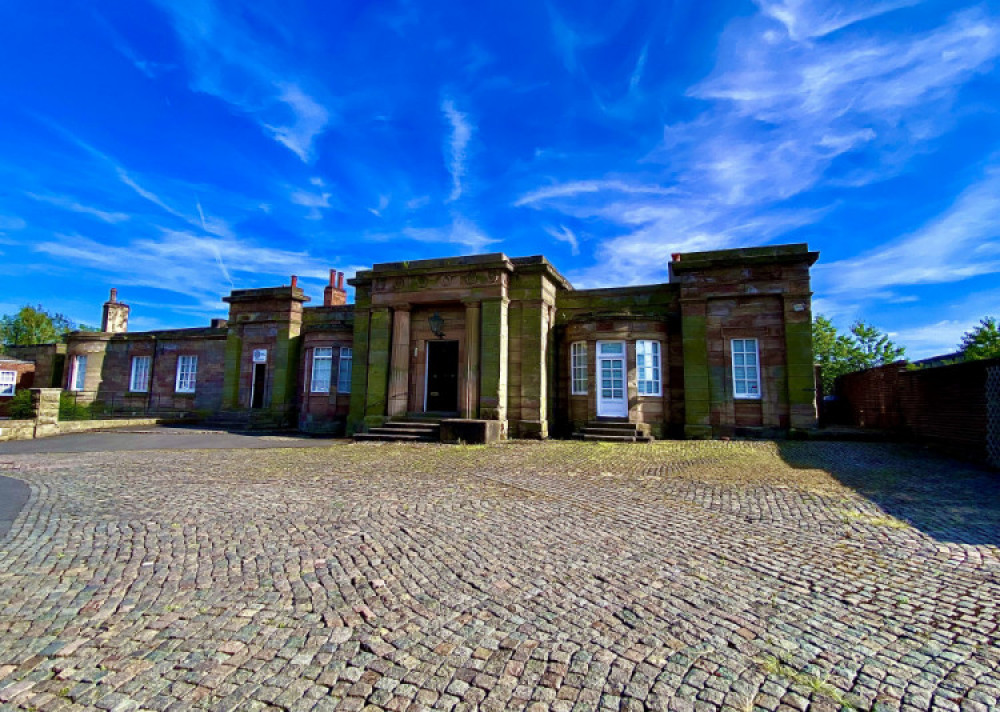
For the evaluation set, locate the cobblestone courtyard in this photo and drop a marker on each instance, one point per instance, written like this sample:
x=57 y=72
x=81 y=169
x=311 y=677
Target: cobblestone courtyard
x=563 y=576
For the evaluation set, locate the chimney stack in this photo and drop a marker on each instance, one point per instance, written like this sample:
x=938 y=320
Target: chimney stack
x=114 y=318
x=335 y=295
x=295 y=282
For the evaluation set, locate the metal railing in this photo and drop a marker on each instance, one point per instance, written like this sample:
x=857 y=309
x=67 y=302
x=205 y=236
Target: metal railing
x=100 y=405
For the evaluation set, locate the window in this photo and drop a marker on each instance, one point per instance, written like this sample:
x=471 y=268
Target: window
x=78 y=375
x=7 y=381
x=322 y=368
x=647 y=366
x=344 y=373
x=140 y=374
x=746 y=369
x=187 y=370
x=578 y=356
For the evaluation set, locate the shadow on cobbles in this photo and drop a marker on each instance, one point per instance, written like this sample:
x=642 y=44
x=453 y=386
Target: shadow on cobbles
x=947 y=499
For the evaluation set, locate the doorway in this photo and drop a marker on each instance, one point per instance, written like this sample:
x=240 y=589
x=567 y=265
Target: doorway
x=441 y=388
x=259 y=385
x=611 y=396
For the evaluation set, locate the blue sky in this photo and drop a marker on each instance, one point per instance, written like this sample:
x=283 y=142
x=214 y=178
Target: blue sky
x=178 y=149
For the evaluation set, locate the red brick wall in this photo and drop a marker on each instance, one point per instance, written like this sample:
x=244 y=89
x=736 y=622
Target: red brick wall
x=943 y=406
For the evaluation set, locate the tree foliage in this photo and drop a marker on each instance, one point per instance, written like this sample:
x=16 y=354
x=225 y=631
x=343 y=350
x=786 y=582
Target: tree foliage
x=33 y=325
x=982 y=342
x=863 y=346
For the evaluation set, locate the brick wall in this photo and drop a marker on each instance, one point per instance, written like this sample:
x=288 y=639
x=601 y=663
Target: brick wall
x=943 y=406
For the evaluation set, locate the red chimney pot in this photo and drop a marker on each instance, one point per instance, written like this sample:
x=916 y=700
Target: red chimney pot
x=295 y=281
x=676 y=256
x=340 y=281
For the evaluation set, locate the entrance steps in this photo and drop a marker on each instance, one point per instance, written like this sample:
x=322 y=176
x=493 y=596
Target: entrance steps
x=416 y=429
x=611 y=431
x=246 y=420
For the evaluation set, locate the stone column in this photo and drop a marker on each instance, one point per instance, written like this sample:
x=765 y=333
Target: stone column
x=493 y=357
x=399 y=373
x=470 y=396
x=378 y=366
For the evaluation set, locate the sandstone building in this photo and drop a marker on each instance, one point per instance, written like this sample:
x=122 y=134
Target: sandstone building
x=496 y=346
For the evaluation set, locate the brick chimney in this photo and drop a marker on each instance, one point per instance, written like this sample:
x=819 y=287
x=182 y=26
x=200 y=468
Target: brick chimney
x=334 y=295
x=114 y=319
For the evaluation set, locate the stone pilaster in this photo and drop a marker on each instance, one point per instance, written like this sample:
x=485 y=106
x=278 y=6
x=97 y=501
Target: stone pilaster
x=697 y=398
x=379 y=346
x=493 y=359
x=359 y=375
x=799 y=362
x=399 y=374
x=470 y=395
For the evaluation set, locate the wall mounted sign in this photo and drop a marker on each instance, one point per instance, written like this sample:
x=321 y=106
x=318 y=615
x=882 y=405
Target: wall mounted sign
x=260 y=355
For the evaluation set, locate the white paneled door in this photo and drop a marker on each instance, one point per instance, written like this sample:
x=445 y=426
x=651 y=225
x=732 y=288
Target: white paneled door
x=612 y=398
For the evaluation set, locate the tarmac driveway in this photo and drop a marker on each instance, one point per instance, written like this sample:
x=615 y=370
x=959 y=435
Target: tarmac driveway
x=157 y=437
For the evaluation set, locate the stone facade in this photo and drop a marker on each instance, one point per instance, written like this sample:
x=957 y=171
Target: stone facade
x=724 y=348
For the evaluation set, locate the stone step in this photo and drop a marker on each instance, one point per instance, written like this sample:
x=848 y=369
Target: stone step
x=392 y=424
x=614 y=438
x=393 y=437
x=616 y=431
x=618 y=425
x=400 y=429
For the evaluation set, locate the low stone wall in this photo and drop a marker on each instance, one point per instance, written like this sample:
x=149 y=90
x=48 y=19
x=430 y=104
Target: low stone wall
x=17 y=430
x=45 y=403
x=26 y=430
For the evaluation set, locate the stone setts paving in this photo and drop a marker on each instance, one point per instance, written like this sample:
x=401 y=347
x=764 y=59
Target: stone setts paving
x=540 y=576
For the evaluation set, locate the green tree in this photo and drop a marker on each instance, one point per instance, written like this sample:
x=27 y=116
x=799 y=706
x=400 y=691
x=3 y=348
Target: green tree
x=982 y=342
x=33 y=325
x=864 y=346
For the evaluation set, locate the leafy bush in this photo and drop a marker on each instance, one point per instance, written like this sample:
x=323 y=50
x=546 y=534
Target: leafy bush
x=20 y=406
x=71 y=409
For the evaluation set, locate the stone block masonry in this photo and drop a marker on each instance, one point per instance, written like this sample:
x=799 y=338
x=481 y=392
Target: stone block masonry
x=512 y=326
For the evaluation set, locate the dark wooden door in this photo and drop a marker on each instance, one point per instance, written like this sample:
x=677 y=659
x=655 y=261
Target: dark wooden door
x=442 y=376
x=259 y=384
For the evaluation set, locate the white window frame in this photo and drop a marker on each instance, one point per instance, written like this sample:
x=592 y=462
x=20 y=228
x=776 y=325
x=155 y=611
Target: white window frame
x=322 y=369
x=187 y=374
x=745 y=355
x=649 y=376
x=138 y=382
x=344 y=379
x=78 y=374
x=8 y=383
x=578 y=368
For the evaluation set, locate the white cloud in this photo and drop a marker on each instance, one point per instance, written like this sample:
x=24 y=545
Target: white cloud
x=229 y=61
x=939 y=338
x=461 y=133
x=316 y=202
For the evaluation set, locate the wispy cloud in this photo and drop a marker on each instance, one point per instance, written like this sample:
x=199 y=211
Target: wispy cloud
x=564 y=234
x=461 y=231
x=177 y=261
x=807 y=19
x=962 y=242
x=11 y=222
x=793 y=93
x=230 y=61
x=75 y=206
x=458 y=141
